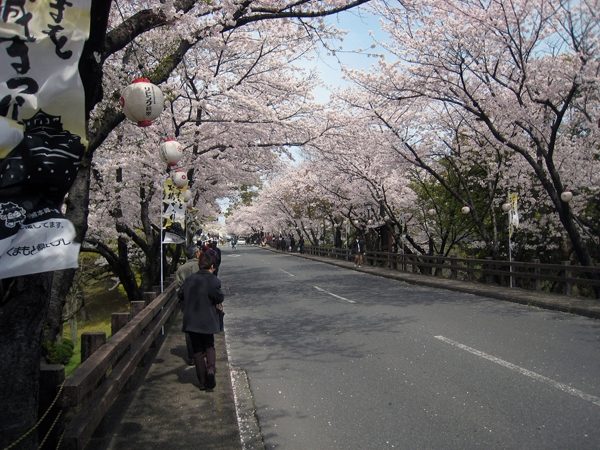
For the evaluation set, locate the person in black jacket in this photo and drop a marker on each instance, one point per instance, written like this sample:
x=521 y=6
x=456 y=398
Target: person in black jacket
x=217 y=250
x=202 y=299
x=358 y=250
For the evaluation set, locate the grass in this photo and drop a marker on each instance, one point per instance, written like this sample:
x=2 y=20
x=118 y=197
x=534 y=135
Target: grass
x=100 y=303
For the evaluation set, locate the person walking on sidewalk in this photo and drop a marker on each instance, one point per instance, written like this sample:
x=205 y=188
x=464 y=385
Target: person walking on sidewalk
x=192 y=253
x=202 y=298
x=217 y=251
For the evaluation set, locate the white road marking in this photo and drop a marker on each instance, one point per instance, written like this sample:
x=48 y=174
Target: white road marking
x=290 y=274
x=334 y=295
x=528 y=373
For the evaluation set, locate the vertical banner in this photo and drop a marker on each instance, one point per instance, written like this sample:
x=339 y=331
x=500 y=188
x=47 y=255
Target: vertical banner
x=173 y=215
x=42 y=131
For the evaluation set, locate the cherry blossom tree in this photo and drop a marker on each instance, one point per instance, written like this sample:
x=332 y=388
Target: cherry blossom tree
x=127 y=39
x=524 y=77
x=231 y=109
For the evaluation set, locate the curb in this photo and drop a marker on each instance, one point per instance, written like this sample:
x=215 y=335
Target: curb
x=250 y=433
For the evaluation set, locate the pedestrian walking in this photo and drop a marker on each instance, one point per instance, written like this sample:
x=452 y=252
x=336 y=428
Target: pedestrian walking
x=358 y=250
x=202 y=299
x=301 y=244
x=217 y=250
x=192 y=253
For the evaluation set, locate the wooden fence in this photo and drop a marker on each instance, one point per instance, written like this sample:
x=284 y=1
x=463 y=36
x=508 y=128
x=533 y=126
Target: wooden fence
x=107 y=365
x=562 y=278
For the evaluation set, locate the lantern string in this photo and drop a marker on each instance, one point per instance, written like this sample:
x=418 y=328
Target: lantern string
x=134 y=44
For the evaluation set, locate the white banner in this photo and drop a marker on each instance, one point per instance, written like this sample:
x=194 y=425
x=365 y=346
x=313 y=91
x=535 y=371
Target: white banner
x=40 y=247
x=173 y=216
x=42 y=131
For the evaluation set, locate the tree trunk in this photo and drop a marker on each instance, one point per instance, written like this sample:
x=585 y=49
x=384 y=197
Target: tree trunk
x=125 y=272
x=77 y=212
x=26 y=300
x=24 y=308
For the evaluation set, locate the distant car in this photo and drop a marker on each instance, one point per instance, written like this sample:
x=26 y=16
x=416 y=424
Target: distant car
x=241 y=241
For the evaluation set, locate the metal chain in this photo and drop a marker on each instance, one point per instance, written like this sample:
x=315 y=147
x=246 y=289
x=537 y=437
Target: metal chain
x=32 y=429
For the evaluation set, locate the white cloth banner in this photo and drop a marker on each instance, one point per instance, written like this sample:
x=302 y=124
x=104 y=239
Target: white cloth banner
x=42 y=131
x=40 y=247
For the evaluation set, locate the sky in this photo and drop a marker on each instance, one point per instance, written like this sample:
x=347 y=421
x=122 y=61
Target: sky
x=355 y=49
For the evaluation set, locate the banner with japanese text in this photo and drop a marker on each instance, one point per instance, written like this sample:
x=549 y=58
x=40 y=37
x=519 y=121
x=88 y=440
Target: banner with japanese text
x=173 y=215
x=42 y=131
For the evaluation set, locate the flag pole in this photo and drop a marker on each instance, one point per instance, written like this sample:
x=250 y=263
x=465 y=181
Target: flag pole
x=161 y=241
x=510 y=267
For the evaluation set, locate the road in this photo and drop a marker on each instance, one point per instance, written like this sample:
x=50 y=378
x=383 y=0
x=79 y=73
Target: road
x=338 y=359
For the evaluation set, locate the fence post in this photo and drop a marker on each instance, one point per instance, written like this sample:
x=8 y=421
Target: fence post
x=453 y=269
x=566 y=273
x=118 y=321
x=470 y=270
x=136 y=307
x=149 y=296
x=488 y=266
x=51 y=378
x=90 y=342
x=537 y=284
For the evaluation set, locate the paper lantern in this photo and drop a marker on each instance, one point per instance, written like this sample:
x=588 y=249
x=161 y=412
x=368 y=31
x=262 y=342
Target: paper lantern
x=187 y=195
x=465 y=210
x=506 y=207
x=171 y=151
x=180 y=178
x=431 y=212
x=566 y=196
x=142 y=102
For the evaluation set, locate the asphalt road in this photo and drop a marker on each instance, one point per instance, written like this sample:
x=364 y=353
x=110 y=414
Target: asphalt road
x=338 y=359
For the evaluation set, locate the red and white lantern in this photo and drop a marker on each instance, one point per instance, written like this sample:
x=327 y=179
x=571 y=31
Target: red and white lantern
x=142 y=102
x=180 y=178
x=171 y=151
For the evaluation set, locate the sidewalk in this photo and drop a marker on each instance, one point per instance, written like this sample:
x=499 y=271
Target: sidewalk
x=166 y=409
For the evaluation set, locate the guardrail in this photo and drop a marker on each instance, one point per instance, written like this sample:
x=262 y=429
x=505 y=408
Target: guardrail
x=562 y=278
x=89 y=392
